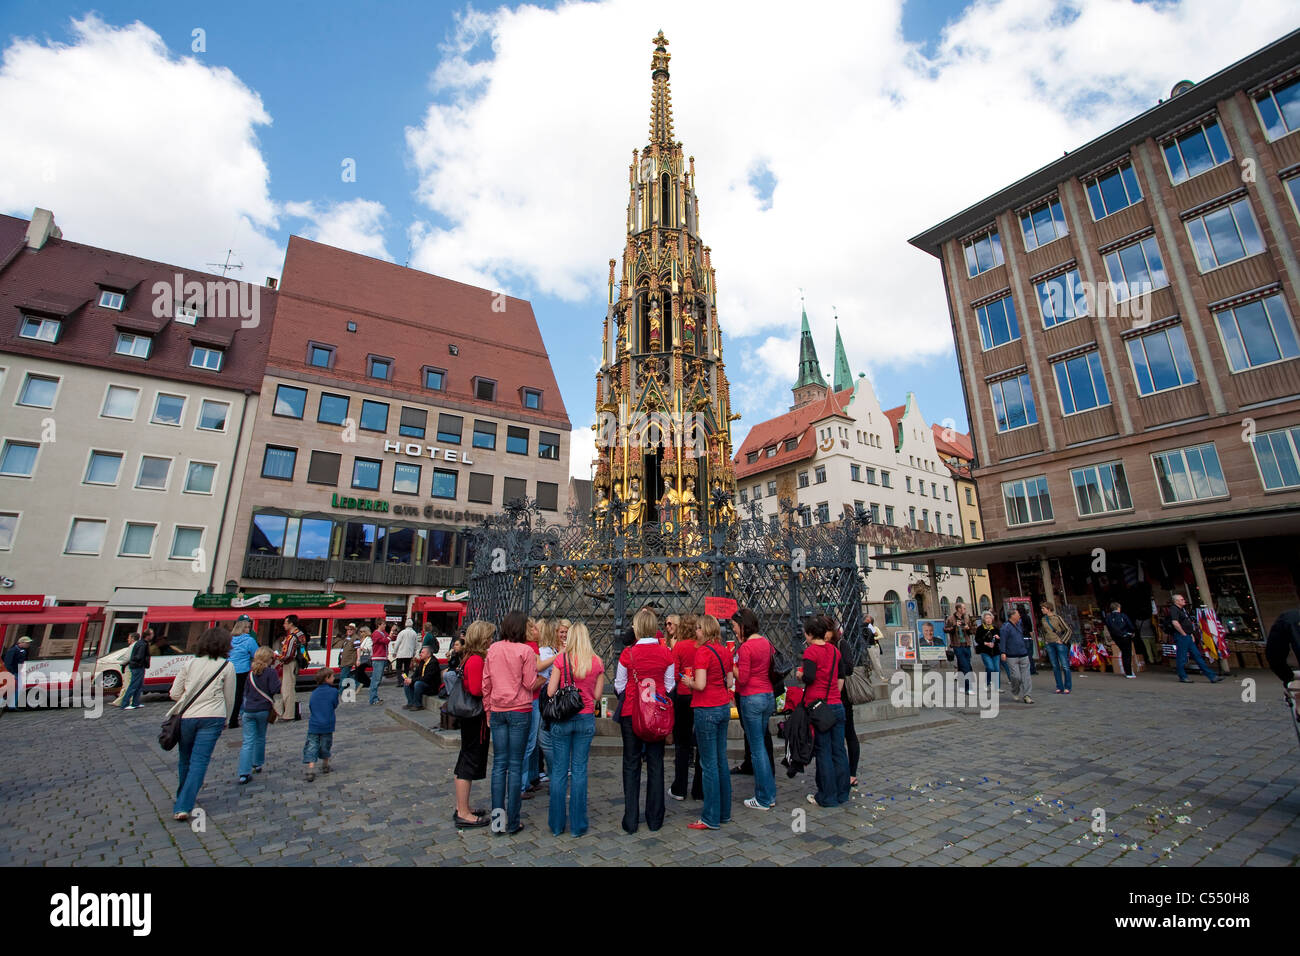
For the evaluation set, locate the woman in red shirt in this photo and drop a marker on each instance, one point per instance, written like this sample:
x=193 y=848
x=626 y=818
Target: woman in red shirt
x=681 y=640
x=471 y=765
x=820 y=674
x=571 y=739
x=647 y=659
x=712 y=703
x=756 y=702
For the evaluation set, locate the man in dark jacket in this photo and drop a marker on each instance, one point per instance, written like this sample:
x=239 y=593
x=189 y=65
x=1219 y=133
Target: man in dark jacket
x=1283 y=638
x=13 y=660
x=1015 y=652
x=1121 y=629
x=1184 y=628
x=421 y=679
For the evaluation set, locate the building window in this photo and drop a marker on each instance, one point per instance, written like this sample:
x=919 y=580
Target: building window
x=137 y=540
x=946 y=496
x=1196 y=151
x=1043 y=224
x=1136 y=269
x=1081 y=384
x=18 y=459
x=186 y=543
x=1161 y=360
x=1189 y=474
x=1224 y=235
x=970 y=499
x=86 y=536
x=907 y=479
x=38 y=391
x=1278 y=456
x=413 y=422
x=480 y=488
x=790 y=444
x=1013 y=403
x=380 y=368
x=921 y=487
x=758 y=492
x=771 y=489
x=103 y=468
x=880 y=557
x=199 y=477
x=884 y=480
x=320 y=356
x=805 y=516
x=278 y=462
x=548 y=496
x=267 y=535
x=154 y=472
x=212 y=416
x=983 y=253
x=889 y=515
x=1279 y=109
x=1101 y=489
x=819 y=474
x=855 y=472
x=434 y=378
x=514 y=489
x=120 y=402
x=206 y=358
x=323 y=468
x=485 y=390
x=112 y=300
x=333 y=409
x=893 y=610
x=366 y=473
x=188 y=314
x=290 y=402
x=1116 y=190
x=1257 y=333
x=774 y=523
x=40 y=329
x=973 y=533
x=997 y=321
x=925 y=519
x=803 y=479
x=374 y=416
x=751 y=457
x=485 y=436
x=548 y=446
x=449 y=429
x=532 y=398
x=444 y=483
x=911 y=516
x=871 y=476
x=1293 y=189
x=770 y=451
x=1027 y=501
x=875 y=513
x=1061 y=298
x=823 y=512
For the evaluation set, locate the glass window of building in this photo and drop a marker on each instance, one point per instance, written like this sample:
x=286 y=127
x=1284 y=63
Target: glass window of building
x=1196 y=151
x=1081 y=384
x=38 y=391
x=480 y=488
x=374 y=416
x=333 y=409
x=548 y=446
x=516 y=440
x=154 y=472
x=103 y=468
x=413 y=422
x=1279 y=108
x=1027 y=500
x=1161 y=360
x=278 y=462
x=485 y=435
x=997 y=322
x=18 y=459
x=290 y=401
x=444 y=483
x=406 y=478
x=1189 y=474
x=1101 y=489
x=1257 y=333
x=1224 y=235
x=199 y=476
x=1112 y=191
x=1278 y=456
x=366 y=474
x=983 y=253
x=1135 y=269
x=449 y=429
x=1042 y=224
x=212 y=416
x=120 y=402
x=1061 y=298
x=323 y=468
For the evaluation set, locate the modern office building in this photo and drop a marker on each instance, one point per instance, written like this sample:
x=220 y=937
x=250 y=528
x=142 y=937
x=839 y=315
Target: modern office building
x=1125 y=322
x=401 y=409
x=837 y=450
x=128 y=390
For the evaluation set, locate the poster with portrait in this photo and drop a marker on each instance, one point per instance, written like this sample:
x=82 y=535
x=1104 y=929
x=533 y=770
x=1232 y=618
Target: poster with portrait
x=931 y=642
x=904 y=647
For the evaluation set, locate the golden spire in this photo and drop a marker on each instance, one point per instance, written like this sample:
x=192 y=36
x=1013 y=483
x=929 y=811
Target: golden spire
x=661 y=101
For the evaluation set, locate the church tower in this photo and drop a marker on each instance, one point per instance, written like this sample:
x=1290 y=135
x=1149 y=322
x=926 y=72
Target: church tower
x=662 y=399
x=843 y=375
x=811 y=385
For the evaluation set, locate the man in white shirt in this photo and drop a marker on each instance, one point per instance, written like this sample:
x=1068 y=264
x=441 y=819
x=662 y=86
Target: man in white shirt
x=405 y=646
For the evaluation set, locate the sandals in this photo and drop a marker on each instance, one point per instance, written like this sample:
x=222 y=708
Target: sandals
x=482 y=821
x=180 y=817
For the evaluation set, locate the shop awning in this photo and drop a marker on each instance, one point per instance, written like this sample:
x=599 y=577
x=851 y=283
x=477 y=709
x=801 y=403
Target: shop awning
x=1272 y=522
x=171 y=613
x=54 y=615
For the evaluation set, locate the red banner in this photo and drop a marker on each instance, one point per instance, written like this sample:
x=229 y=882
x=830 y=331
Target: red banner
x=720 y=607
x=21 y=602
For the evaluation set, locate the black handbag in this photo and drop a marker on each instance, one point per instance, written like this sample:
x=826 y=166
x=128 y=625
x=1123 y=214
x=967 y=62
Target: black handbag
x=169 y=735
x=819 y=711
x=567 y=702
x=460 y=702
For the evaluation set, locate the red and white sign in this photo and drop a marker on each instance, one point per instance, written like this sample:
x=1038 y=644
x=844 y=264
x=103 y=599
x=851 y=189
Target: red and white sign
x=720 y=607
x=21 y=602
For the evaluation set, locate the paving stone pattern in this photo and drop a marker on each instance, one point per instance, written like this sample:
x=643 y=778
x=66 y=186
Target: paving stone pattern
x=1186 y=775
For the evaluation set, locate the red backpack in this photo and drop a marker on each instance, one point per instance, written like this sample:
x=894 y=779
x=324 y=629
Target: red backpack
x=652 y=713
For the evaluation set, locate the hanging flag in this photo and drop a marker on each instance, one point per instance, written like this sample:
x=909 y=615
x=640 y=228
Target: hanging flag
x=1213 y=636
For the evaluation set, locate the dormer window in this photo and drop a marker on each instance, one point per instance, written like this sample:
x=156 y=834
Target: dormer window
x=39 y=328
x=485 y=390
x=532 y=398
x=188 y=314
x=206 y=358
x=790 y=443
x=109 y=299
x=771 y=451
x=136 y=346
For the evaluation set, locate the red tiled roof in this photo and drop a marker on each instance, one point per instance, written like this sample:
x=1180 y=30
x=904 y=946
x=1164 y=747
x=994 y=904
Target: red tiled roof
x=64 y=277
x=959 y=446
x=411 y=317
x=794 y=424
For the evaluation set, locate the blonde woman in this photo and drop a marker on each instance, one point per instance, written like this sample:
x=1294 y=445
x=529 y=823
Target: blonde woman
x=532 y=770
x=648 y=660
x=550 y=646
x=713 y=682
x=471 y=765
x=259 y=697
x=571 y=739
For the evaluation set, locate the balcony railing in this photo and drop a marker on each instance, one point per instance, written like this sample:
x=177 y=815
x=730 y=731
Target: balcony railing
x=394 y=574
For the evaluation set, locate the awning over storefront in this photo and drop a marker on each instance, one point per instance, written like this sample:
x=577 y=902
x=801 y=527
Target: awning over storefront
x=141 y=598
x=1275 y=522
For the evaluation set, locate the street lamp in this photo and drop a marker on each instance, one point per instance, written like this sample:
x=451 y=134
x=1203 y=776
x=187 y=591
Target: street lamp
x=329 y=585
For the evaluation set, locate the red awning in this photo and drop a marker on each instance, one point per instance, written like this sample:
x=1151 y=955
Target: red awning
x=169 y=613
x=53 y=615
x=423 y=604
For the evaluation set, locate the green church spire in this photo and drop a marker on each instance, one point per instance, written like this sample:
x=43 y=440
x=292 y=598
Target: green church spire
x=810 y=370
x=843 y=375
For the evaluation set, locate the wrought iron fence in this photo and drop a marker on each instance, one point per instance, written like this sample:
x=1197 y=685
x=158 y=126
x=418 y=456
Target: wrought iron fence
x=600 y=569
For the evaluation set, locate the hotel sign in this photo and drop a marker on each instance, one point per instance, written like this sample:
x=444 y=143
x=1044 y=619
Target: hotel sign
x=453 y=456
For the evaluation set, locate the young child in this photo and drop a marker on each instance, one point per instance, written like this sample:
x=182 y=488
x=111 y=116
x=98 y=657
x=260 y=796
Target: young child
x=320 y=728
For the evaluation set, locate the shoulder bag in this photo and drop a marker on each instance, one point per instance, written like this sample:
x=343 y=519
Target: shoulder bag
x=567 y=702
x=652 y=714
x=819 y=711
x=169 y=735
x=272 y=716
x=857 y=686
x=460 y=702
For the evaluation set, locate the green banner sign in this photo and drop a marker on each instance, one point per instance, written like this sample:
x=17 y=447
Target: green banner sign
x=236 y=602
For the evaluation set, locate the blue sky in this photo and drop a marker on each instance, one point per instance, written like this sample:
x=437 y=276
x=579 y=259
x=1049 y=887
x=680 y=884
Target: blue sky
x=490 y=145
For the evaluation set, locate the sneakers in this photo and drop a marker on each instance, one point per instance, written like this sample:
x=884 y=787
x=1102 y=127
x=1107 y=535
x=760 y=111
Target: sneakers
x=812 y=798
x=1028 y=699
x=130 y=707
x=244 y=778
x=699 y=825
x=1130 y=676
x=257 y=769
x=674 y=796
x=753 y=804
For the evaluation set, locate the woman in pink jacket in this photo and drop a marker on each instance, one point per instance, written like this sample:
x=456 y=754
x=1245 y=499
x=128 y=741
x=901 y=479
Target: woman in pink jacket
x=379 y=641
x=509 y=679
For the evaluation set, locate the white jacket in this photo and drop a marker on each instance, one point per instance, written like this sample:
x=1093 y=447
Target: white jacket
x=217 y=699
x=407 y=643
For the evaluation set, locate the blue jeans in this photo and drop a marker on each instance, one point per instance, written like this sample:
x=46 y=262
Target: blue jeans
x=1187 y=646
x=992 y=673
x=832 y=762
x=135 y=688
x=755 y=709
x=509 y=738
x=963 y=664
x=1059 y=655
x=570 y=748
x=317 y=747
x=253 y=751
x=376 y=676
x=530 y=745
x=198 y=740
x=711 y=735
x=415 y=692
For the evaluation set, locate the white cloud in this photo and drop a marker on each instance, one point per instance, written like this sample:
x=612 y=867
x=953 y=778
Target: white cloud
x=355 y=225
x=525 y=155
x=582 y=450
x=135 y=149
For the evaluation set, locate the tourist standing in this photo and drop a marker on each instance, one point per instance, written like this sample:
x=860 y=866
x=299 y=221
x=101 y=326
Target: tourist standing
x=243 y=646
x=259 y=699
x=204 y=692
x=1120 y=627
x=851 y=742
x=379 y=641
x=349 y=651
x=714 y=679
x=958 y=627
x=531 y=773
x=820 y=674
x=756 y=702
x=139 y=665
x=321 y=706
x=1057 y=632
x=509 y=679
x=1015 y=653
x=287 y=660
x=404 y=647
x=989 y=647
x=1184 y=627
x=571 y=739
x=644 y=660
x=471 y=764
x=683 y=648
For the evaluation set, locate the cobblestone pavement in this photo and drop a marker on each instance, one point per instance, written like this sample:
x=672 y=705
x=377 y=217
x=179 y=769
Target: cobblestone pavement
x=1185 y=775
